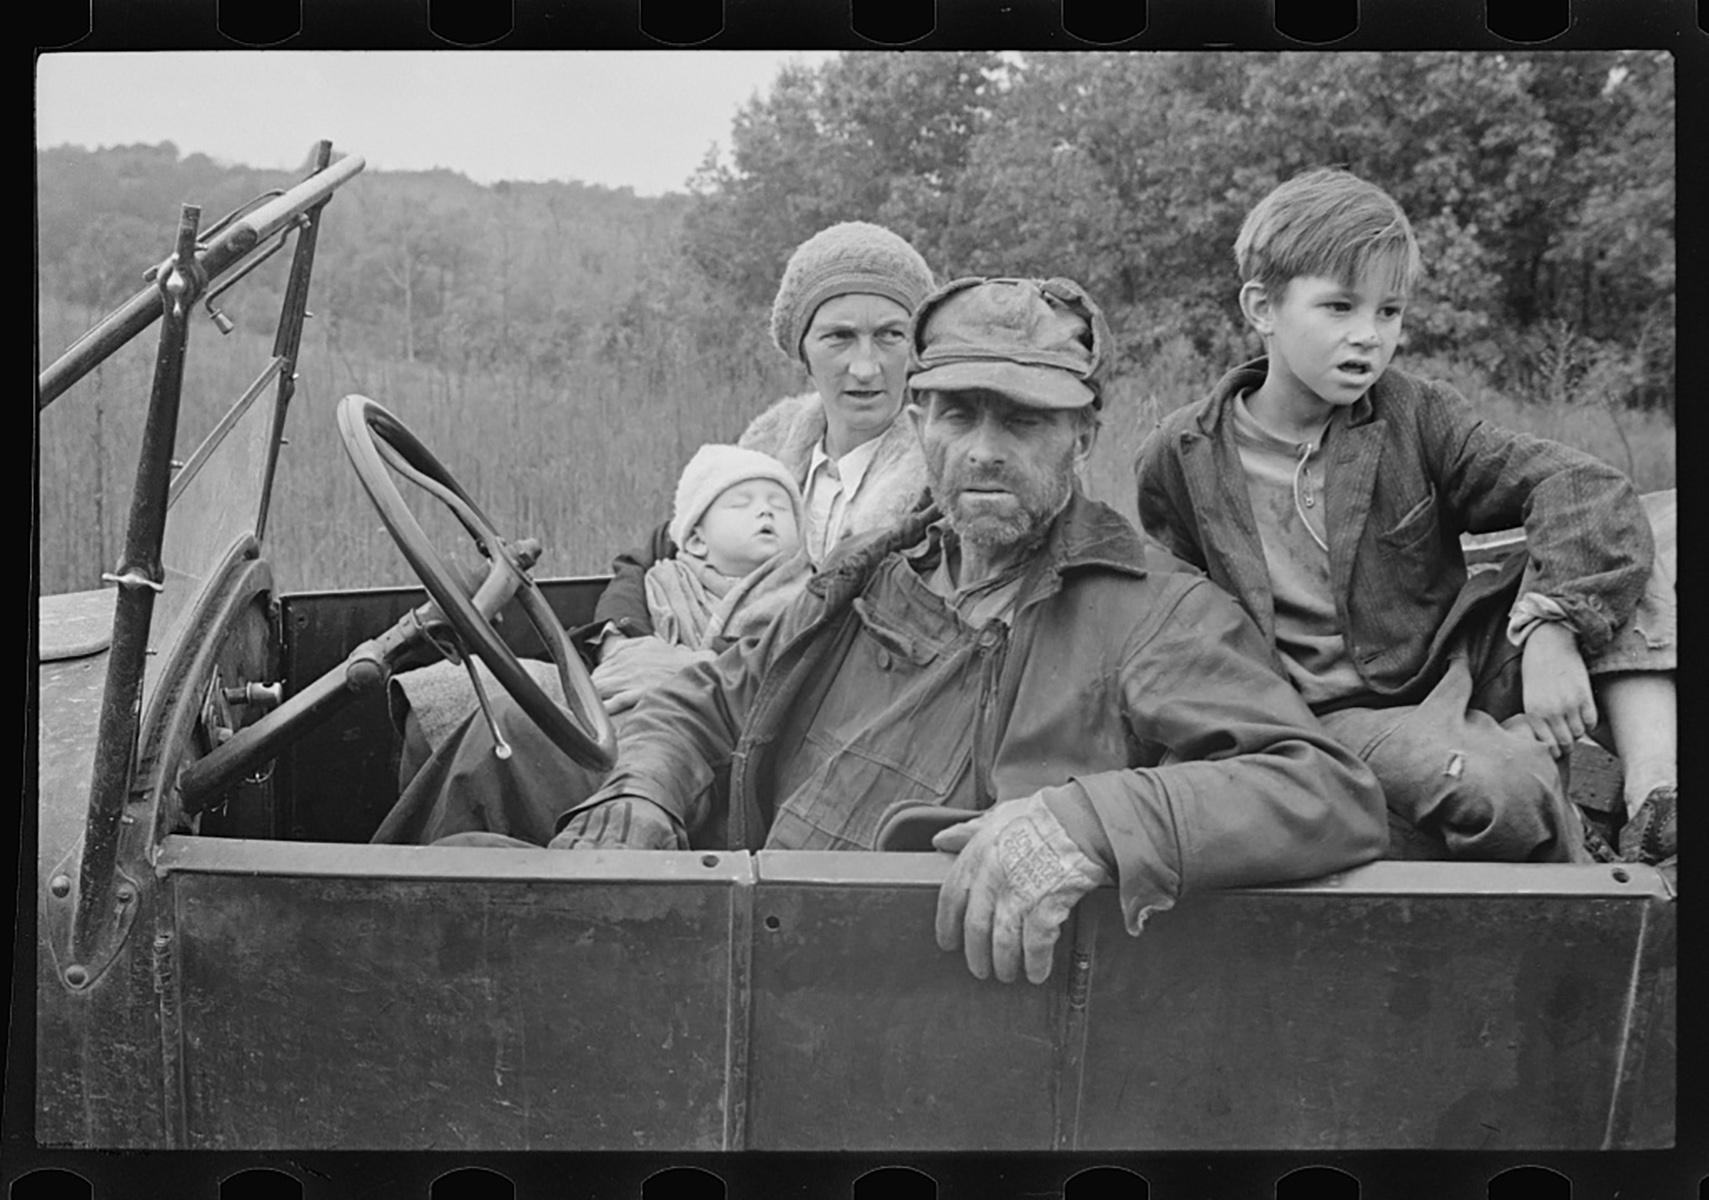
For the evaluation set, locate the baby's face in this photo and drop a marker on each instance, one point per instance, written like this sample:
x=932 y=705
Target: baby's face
x=748 y=523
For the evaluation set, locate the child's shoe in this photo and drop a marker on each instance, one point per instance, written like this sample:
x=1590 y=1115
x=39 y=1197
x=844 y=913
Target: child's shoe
x=1652 y=833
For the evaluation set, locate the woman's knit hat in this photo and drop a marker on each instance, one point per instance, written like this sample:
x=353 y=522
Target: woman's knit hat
x=715 y=468
x=854 y=256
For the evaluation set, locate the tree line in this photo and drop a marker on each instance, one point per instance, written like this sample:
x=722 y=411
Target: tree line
x=422 y=266
x=1540 y=186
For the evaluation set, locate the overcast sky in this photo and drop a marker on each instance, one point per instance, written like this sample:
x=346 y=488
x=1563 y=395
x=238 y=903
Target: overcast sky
x=641 y=119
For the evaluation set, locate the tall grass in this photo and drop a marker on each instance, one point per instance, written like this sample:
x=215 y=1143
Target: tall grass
x=585 y=461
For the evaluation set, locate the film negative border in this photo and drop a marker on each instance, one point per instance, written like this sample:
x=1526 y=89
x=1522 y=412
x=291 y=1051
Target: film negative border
x=862 y=24
x=1679 y=27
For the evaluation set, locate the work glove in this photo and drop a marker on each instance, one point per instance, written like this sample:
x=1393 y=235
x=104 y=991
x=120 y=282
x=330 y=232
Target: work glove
x=1017 y=876
x=632 y=666
x=624 y=822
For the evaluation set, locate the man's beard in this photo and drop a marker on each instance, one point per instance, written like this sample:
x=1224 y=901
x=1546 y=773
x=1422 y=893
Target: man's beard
x=1033 y=503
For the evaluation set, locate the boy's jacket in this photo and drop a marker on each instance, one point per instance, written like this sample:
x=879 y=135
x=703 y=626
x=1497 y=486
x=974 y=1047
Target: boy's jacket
x=1409 y=467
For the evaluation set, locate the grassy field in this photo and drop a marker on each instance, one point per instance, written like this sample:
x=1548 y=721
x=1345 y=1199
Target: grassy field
x=586 y=463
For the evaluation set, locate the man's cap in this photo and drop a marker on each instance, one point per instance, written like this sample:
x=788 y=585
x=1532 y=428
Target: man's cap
x=844 y=259
x=714 y=469
x=1040 y=342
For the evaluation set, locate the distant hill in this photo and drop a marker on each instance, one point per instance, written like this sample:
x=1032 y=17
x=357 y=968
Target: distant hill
x=428 y=265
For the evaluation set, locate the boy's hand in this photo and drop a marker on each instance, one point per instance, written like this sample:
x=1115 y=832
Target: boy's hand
x=1559 y=705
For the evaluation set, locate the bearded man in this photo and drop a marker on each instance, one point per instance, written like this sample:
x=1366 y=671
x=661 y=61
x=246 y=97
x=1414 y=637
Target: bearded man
x=1011 y=653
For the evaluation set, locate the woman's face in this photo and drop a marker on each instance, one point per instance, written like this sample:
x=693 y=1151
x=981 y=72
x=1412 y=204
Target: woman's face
x=856 y=350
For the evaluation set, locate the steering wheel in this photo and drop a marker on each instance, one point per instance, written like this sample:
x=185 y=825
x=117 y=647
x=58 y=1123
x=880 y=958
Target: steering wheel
x=376 y=440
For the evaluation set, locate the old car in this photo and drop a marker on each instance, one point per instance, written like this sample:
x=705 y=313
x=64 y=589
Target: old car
x=224 y=962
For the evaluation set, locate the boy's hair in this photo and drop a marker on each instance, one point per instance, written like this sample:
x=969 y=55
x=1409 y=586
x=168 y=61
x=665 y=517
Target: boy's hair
x=1330 y=223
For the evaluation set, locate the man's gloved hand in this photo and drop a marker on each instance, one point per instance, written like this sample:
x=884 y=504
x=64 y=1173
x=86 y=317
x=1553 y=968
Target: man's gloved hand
x=626 y=822
x=1017 y=875
x=631 y=666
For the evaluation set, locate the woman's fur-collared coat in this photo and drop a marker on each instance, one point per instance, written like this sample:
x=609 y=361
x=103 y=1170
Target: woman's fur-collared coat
x=893 y=483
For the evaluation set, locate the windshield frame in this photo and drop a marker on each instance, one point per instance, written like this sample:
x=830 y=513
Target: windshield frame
x=146 y=647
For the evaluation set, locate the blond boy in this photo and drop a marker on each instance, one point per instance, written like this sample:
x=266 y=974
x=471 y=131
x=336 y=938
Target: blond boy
x=1328 y=491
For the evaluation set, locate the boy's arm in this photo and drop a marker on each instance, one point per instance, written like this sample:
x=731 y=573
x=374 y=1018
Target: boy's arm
x=1163 y=505
x=1588 y=540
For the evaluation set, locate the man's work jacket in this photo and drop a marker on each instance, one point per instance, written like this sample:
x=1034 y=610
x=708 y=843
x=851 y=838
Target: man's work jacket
x=1150 y=694
x=1410 y=466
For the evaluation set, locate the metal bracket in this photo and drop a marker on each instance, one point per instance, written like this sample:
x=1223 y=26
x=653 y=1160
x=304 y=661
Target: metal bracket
x=78 y=968
x=132 y=579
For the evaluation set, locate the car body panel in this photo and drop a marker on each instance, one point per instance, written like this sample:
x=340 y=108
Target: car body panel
x=354 y=997
x=850 y=986
x=425 y=998
x=1463 y=1008
x=1398 y=1005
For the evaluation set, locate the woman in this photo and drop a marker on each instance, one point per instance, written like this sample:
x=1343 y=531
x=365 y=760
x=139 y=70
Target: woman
x=841 y=311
